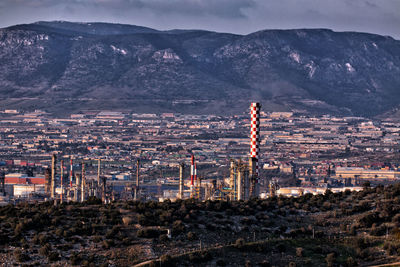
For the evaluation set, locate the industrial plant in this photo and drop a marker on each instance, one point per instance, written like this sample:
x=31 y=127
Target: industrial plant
x=66 y=178
x=60 y=185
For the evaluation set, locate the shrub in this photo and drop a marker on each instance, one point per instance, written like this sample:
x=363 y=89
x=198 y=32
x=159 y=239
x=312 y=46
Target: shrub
x=20 y=256
x=59 y=232
x=53 y=256
x=164 y=238
x=350 y=262
x=127 y=220
x=299 y=252
x=281 y=247
x=239 y=243
x=148 y=233
x=45 y=250
x=177 y=227
x=200 y=256
x=264 y=263
x=330 y=259
x=75 y=259
x=220 y=262
x=166 y=259
x=191 y=236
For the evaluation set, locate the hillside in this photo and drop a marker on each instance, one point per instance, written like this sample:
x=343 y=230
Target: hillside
x=65 y=67
x=341 y=229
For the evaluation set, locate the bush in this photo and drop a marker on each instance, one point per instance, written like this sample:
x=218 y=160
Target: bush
x=281 y=247
x=163 y=238
x=20 y=256
x=239 y=243
x=264 y=263
x=350 y=262
x=166 y=259
x=330 y=259
x=299 y=252
x=220 y=262
x=75 y=259
x=107 y=243
x=45 y=250
x=127 y=220
x=191 y=236
x=200 y=256
x=148 y=233
x=53 y=256
x=177 y=227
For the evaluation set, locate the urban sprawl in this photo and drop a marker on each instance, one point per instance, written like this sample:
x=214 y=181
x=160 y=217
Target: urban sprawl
x=117 y=155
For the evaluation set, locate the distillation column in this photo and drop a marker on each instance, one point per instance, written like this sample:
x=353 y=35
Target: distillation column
x=83 y=182
x=71 y=167
x=181 y=170
x=192 y=176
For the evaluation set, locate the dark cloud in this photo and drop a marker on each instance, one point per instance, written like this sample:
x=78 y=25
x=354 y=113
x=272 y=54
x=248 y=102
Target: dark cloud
x=238 y=16
x=370 y=4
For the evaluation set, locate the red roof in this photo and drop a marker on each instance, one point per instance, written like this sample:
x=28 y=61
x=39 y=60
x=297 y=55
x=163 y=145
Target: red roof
x=26 y=180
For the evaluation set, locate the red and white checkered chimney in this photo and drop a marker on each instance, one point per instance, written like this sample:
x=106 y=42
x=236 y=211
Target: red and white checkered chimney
x=255 y=134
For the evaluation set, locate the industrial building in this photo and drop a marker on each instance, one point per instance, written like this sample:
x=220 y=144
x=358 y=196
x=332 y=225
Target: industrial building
x=357 y=172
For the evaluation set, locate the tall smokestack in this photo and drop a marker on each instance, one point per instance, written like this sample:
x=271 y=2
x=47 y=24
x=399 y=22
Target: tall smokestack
x=71 y=167
x=47 y=179
x=61 y=176
x=83 y=183
x=254 y=146
x=98 y=171
x=181 y=170
x=53 y=176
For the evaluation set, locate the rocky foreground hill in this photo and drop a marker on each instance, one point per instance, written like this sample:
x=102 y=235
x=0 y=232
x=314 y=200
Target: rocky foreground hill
x=334 y=229
x=65 y=67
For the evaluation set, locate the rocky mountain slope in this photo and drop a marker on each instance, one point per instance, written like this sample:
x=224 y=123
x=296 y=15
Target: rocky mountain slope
x=66 y=67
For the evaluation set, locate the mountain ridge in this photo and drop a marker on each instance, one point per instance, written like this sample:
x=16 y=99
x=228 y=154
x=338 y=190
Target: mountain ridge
x=51 y=65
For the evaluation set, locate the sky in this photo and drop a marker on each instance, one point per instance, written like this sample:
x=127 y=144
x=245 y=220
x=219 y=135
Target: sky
x=234 y=16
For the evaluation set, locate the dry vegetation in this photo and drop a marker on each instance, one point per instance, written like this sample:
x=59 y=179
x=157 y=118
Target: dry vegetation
x=347 y=229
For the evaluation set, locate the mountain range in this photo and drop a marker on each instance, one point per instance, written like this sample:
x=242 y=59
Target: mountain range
x=65 y=67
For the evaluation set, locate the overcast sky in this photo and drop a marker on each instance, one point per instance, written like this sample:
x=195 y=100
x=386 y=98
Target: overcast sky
x=235 y=16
